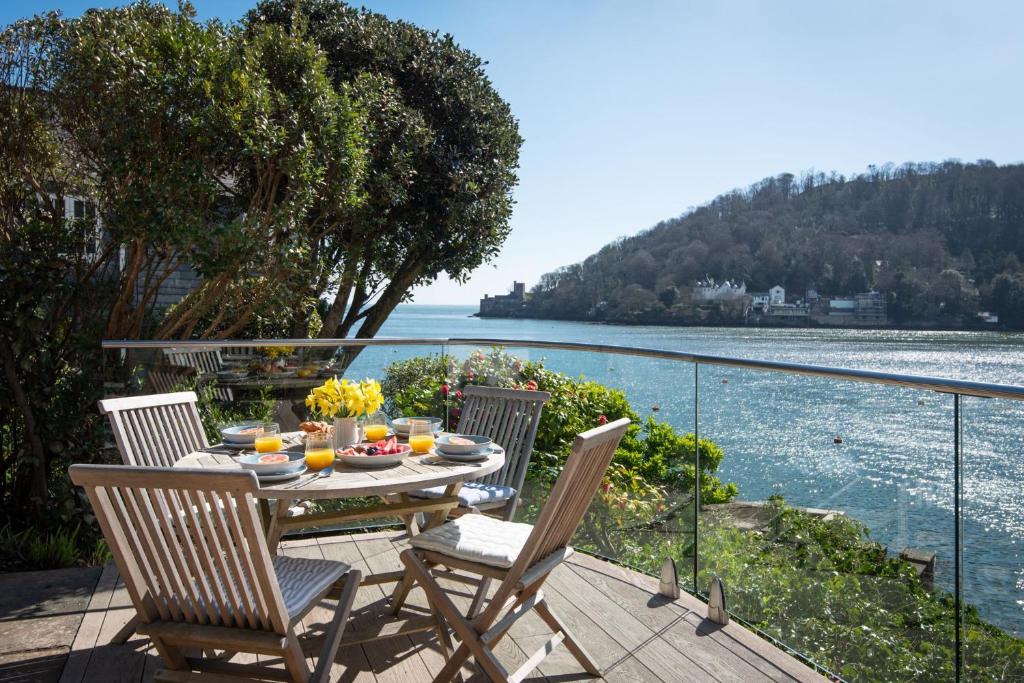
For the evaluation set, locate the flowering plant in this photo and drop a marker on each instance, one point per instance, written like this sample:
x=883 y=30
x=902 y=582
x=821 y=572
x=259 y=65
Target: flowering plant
x=341 y=397
x=275 y=352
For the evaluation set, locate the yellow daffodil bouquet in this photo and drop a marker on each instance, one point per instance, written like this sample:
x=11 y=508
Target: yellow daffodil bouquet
x=342 y=398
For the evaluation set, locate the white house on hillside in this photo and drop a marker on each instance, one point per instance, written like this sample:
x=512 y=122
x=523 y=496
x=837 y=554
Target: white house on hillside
x=709 y=290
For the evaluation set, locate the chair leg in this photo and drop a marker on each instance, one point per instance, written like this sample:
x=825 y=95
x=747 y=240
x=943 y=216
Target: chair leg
x=274 y=530
x=509 y=512
x=401 y=593
x=332 y=639
x=445 y=639
x=171 y=655
x=471 y=643
x=295 y=661
x=479 y=597
x=453 y=666
x=403 y=588
x=585 y=659
x=126 y=632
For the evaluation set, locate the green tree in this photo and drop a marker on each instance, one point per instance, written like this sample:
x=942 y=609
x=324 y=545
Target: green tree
x=1008 y=298
x=443 y=149
x=192 y=144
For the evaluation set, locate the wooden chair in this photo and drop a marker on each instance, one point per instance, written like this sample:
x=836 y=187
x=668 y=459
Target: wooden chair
x=521 y=556
x=510 y=418
x=155 y=430
x=190 y=548
x=166 y=379
x=207 y=362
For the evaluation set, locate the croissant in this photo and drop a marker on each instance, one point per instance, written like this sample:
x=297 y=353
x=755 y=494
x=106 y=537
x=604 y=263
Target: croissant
x=314 y=427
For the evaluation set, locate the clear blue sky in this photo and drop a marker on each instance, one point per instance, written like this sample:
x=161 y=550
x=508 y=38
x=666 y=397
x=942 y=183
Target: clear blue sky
x=634 y=111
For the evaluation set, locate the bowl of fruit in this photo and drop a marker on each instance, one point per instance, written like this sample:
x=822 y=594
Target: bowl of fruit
x=373 y=455
x=272 y=463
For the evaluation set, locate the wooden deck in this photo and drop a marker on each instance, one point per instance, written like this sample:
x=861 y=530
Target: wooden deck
x=634 y=633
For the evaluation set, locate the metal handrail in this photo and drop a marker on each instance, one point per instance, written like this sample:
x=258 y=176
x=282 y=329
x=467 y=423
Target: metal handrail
x=939 y=384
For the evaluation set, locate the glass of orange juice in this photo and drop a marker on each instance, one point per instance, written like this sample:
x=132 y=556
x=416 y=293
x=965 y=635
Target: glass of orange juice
x=421 y=436
x=319 y=451
x=268 y=439
x=376 y=427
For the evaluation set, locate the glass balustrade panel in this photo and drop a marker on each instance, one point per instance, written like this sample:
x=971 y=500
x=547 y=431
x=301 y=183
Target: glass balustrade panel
x=992 y=538
x=838 y=539
x=643 y=512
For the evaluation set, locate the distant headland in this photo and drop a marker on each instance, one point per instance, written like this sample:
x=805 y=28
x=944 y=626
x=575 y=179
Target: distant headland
x=919 y=246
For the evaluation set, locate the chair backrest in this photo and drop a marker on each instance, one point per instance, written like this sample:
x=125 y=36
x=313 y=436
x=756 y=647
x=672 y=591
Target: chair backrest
x=164 y=379
x=592 y=452
x=155 y=430
x=206 y=362
x=188 y=544
x=510 y=418
x=241 y=352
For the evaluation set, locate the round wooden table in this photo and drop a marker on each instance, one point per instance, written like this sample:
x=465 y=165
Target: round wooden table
x=392 y=485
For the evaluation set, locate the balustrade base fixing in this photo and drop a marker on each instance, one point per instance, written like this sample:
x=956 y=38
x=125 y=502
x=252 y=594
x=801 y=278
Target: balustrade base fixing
x=669 y=585
x=716 y=602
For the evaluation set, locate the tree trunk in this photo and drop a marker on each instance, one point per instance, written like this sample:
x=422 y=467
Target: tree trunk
x=332 y=321
x=379 y=312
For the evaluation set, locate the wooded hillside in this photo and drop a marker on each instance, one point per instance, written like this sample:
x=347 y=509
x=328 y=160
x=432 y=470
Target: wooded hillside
x=942 y=241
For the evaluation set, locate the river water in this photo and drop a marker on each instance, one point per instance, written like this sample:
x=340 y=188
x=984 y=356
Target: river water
x=894 y=468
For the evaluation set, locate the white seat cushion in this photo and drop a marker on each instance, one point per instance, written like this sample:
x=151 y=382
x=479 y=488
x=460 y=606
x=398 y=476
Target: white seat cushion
x=477 y=538
x=302 y=579
x=471 y=494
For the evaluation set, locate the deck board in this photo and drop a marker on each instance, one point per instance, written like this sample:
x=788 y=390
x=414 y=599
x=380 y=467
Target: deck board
x=634 y=634
x=670 y=622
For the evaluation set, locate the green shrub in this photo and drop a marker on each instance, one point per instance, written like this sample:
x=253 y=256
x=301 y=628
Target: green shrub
x=652 y=454
x=653 y=471
x=63 y=547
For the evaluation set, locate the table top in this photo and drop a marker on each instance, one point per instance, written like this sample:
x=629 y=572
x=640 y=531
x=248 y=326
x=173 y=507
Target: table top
x=415 y=472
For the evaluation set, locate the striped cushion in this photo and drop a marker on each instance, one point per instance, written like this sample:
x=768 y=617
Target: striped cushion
x=471 y=494
x=303 y=580
x=477 y=538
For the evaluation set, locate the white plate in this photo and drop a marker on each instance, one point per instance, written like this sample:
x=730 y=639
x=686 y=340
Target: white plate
x=250 y=462
x=373 y=462
x=270 y=478
x=480 y=444
x=464 y=457
x=230 y=434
